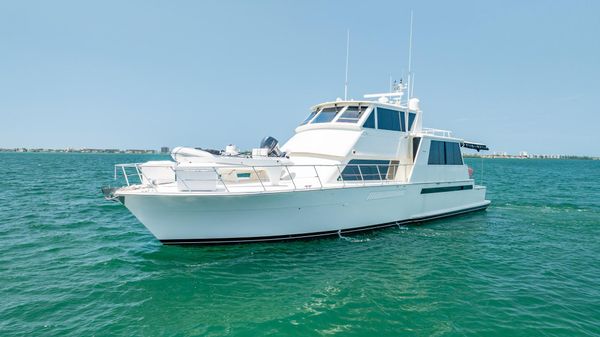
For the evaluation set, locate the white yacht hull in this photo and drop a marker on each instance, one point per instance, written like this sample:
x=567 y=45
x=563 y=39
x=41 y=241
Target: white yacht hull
x=230 y=218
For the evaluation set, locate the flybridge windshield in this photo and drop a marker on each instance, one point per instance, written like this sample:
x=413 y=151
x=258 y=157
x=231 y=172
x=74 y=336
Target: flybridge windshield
x=352 y=114
x=326 y=115
x=312 y=114
x=347 y=114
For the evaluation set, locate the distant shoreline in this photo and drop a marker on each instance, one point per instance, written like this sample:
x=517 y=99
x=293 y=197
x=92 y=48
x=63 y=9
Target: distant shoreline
x=166 y=151
x=75 y=152
x=545 y=157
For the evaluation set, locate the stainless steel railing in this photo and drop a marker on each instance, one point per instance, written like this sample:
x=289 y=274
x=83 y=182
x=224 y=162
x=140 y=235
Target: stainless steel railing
x=436 y=132
x=313 y=176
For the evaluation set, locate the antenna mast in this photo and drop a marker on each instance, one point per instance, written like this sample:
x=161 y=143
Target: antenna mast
x=408 y=83
x=347 y=53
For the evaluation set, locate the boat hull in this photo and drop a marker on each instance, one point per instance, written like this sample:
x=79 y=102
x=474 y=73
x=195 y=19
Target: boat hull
x=219 y=219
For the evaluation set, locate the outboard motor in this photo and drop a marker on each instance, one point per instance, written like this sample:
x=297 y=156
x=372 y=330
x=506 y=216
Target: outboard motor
x=270 y=143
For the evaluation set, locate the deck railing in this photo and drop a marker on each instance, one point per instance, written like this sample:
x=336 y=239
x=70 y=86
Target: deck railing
x=436 y=132
x=298 y=177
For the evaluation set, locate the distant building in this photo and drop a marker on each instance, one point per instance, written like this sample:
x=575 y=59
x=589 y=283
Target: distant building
x=138 y=151
x=164 y=149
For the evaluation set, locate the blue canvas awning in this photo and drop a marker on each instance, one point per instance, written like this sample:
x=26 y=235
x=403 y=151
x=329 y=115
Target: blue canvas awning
x=474 y=146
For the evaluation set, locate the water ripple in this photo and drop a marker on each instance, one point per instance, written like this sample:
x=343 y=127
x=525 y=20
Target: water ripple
x=73 y=264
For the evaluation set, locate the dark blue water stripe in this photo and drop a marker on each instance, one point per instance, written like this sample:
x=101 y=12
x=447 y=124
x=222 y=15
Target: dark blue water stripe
x=446 y=189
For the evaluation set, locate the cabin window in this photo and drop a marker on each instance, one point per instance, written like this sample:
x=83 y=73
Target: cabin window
x=444 y=153
x=391 y=173
x=352 y=114
x=361 y=169
x=370 y=122
x=436 y=153
x=326 y=115
x=402 y=121
x=388 y=119
x=312 y=114
x=415 y=147
x=411 y=120
x=453 y=156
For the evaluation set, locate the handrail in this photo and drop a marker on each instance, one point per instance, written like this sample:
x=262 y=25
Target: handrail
x=436 y=132
x=220 y=178
x=318 y=178
x=258 y=177
x=291 y=178
x=343 y=175
x=362 y=178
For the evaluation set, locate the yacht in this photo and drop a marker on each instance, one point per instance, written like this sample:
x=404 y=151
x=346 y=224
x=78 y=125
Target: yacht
x=351 y=166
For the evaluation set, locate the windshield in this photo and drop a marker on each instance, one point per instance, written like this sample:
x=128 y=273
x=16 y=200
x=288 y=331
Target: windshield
x=326 y=115
x=352 y=114
x=310 y=116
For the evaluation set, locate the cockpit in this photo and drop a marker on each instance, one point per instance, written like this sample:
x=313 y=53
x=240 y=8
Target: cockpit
x=369 y=116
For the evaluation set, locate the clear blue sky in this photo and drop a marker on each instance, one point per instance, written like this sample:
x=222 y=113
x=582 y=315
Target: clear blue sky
x=517 y=75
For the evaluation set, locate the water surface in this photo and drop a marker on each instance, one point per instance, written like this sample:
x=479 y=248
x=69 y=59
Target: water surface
x=74 y=264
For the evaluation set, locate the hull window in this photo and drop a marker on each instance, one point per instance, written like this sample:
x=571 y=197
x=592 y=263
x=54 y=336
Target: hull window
x=446 y=189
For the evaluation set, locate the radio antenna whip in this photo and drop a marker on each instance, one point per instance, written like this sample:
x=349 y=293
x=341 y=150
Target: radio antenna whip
x=409 y=83
x=347 y=53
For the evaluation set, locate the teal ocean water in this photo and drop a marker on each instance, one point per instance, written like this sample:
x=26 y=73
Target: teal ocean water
x=72 y=264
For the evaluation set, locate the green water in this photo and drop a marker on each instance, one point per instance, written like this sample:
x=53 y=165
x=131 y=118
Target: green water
x=72 y=264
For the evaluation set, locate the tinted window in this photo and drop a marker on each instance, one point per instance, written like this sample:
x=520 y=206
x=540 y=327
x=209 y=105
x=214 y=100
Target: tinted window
x=391 y=173
x=444 y=153
x=326 y=115
x=352 y=114
x=437 y=153
x=359 y=169
x=388 y=119
x=416 y=142
x=411 y=120
x=312 y=114
x=402 y=121
x=453 y=156
x=370 y=122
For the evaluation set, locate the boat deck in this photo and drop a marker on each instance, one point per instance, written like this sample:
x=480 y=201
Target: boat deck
x=250 y=187
x=243 y=179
